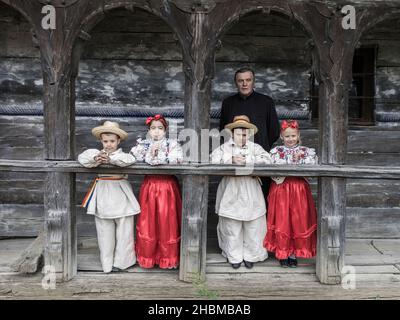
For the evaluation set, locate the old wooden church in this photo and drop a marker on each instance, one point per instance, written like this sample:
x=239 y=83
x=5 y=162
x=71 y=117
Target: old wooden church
x=127 y=59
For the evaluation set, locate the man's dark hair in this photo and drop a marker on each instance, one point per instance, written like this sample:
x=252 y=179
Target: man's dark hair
x=244 y=69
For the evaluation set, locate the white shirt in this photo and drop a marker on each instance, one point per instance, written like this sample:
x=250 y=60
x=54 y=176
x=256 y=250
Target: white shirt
x=111 y=199
x=240 y=197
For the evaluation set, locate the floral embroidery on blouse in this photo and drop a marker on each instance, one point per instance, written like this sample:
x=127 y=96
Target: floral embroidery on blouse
x=170 y=151
x=284 y=155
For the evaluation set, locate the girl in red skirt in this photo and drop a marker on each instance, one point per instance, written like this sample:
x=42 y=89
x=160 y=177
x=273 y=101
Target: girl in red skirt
x=158 y=229
x=292 y=217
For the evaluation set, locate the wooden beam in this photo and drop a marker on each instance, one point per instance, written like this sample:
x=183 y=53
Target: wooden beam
x=323 y=170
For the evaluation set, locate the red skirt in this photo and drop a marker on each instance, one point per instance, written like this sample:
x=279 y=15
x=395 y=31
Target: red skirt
x=292 y=219
x=158 y=228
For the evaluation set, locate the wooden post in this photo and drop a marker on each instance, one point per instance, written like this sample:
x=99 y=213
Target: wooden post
x=59 y=68
x=333 y=117
x=332 y=63
x=198 y=68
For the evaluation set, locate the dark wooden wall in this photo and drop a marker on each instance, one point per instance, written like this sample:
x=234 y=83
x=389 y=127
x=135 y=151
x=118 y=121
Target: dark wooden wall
x=133 y=64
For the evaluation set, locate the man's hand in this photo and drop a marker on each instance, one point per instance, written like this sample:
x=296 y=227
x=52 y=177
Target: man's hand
x=241 y=160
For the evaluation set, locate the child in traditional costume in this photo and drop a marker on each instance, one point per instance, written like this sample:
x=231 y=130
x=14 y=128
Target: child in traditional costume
x=111 y=199
x=158 y=229
x=240 y=203
x=292 y=217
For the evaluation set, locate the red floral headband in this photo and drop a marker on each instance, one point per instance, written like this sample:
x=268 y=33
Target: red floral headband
x=289 y=124
x=157 y=117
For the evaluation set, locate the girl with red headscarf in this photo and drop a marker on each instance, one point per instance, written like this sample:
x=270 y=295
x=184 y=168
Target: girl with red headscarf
x=158 y=228
x=292 y=217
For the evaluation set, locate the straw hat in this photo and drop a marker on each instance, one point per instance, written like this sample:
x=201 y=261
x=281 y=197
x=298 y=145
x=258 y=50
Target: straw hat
x=109 y=127
x=241 y=122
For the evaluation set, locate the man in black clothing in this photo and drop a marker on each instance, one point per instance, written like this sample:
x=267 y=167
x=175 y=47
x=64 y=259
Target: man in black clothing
x=258 y=107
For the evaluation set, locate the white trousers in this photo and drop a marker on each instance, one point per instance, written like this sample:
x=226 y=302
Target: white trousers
x=116 y=244
x=242 y=240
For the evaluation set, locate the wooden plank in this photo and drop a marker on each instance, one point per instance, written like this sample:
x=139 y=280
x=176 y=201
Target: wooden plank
x=28 y=188
x=91 y=262
x=93 y=285
x=26 y=220
x=387 y=247
x=301 y=269
x=20 y=131
x=383 y=269
x=18 y=220
x=369 y=260
x=360 y=247
x=369 y=196
x=384 y=159
x=354 y=159
x=227 y=269
x=323 y=170
x=372 y=222
x=253 y=48
x=259 y=24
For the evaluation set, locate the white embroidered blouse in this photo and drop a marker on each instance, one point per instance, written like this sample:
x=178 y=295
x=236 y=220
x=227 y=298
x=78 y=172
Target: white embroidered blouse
x=285 y=155
x=170 y=151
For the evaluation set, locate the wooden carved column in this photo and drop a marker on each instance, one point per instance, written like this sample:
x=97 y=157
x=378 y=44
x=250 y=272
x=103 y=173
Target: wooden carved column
x=198 y=68
x=331 y=191
x=334 y=66
x=59 y=71
x=335 y=72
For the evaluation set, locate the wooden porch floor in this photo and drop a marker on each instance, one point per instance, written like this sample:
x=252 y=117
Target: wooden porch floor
x=376 y=263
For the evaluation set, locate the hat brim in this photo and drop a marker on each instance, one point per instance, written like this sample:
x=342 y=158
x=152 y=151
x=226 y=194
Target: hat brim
x=98 y=131
x=242 y=124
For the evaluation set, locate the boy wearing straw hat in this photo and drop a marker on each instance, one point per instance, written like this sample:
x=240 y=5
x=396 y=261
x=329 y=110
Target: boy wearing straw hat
x=111 y=199
x=240 y=202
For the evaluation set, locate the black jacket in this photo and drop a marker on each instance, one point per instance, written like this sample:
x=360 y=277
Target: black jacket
x=261 y=111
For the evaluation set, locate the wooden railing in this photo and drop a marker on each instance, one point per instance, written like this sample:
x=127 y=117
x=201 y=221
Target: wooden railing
x=339 y=171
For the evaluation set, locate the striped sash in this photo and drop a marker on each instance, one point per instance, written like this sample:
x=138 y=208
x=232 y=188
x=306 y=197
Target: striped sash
x=90 y=192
